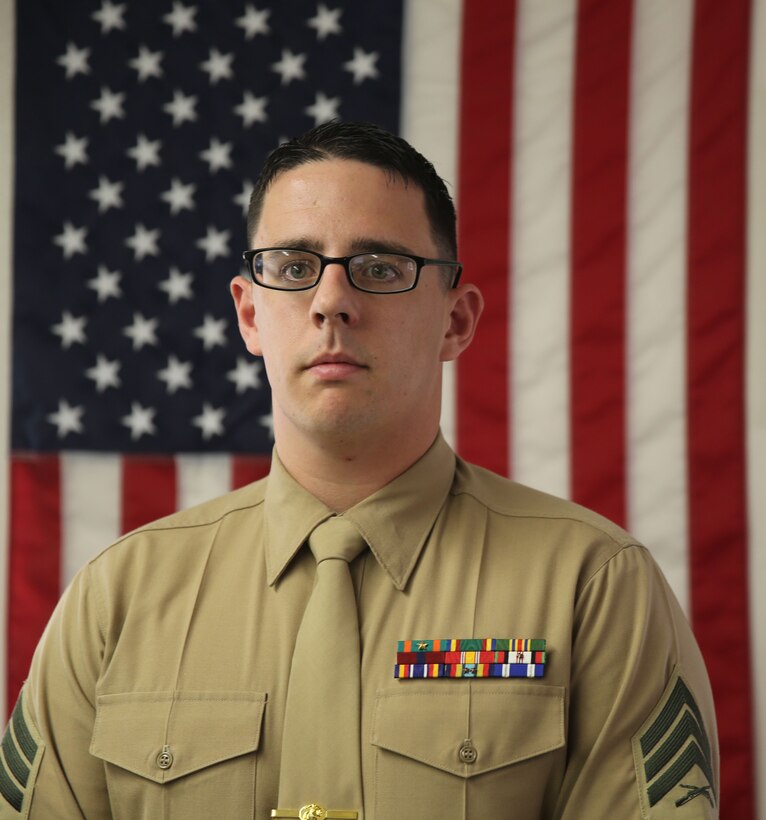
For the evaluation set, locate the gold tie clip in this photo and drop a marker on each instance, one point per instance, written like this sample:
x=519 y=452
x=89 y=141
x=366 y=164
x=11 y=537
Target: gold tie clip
x=313 y=811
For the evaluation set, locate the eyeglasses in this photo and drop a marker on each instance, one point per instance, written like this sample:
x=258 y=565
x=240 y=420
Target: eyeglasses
x=296 y=269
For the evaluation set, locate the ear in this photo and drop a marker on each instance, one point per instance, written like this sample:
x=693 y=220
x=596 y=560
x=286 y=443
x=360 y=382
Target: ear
x=242 y=293
x=466 y=306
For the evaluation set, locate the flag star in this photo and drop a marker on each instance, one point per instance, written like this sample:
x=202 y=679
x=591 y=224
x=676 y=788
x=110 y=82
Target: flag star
x=177 y=286
x=181 y=19
x=176 y=375
x=362 y=65
x=75 y=61
x=324 y=108
x=218 y=66
x=246 y=375
x=143 y=331
x=210 y=421
x=68 y=419
x=106 y=283
x=254 y=21
x=110 y=16
x=143 y=242
x=181 y=108
x=108 y=194
x=179 y=196
x=140 y=420
x=243 y=197
x=71 y=329
x=252 y=109
x=104 y=373
x=72 y=240
x=217 y=155
x=268 y=422
x=145 y=152
x=326 y=21
x=215 y=243
x=74 y=150
x=290 y=66
x=212 y=332
x=109 y=105
x=147 y=64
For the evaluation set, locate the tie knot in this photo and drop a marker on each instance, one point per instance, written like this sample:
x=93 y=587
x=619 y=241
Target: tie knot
x=336 y=538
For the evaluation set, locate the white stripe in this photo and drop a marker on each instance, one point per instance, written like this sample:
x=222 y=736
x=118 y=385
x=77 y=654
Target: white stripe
x=656 y=292
x=7 y=63
x=91 y=485
x=430 y=101
x=756 y=384
x=540 y=234
x=201 y=477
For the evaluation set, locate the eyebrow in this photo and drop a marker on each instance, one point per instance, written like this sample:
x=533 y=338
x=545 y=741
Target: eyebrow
x=360 y=244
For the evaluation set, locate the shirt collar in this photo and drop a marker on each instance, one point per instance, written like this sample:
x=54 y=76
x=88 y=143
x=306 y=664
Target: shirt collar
x=395 y=521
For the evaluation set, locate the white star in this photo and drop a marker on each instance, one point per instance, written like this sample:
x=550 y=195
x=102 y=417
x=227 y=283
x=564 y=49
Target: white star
x=67 y=419
x=254 y=21
x=181 y=18
x=140 y=420
x=110 y=16
x=147 y=64
x=252 y=109
x=246 y=375
x=71 y=329
x=73 y=149
x=143 y=331
x=109 y=105
x=106 y=283
x=104 y=373
x=362 y=65
x=143 y=242
x=177 y=286
x=290 y=66
x=75 y=61
x=215 y=243
x=176 y=375
x=212 y=332
x=210 y=421
x=108 y=194
x=218 y=66
x=268 y=422
x=72 y=240
x=243 y=197
x=145 y=152
x=181 y=108
x=179 y=196
x=217 y=155
x=326 y=21
x=324 y=108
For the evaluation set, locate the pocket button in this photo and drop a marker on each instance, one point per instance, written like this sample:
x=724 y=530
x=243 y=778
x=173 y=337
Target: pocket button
x=165 y=758
x=467 y=752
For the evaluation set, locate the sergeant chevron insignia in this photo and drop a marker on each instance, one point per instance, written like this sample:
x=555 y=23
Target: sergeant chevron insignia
x=20 y=754
x=672 y=754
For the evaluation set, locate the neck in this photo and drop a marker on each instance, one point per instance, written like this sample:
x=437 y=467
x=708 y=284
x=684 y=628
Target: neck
x=341 y=473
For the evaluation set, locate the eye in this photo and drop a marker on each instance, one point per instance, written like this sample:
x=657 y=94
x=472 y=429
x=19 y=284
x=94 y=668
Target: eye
x=297 y=271
x=380 y=269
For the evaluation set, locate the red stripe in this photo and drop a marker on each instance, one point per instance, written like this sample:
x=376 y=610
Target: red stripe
x=34 y=561
x=483 y=410
x=245 y=469
x=716 y=390
x=602 y=85
x=148 y=489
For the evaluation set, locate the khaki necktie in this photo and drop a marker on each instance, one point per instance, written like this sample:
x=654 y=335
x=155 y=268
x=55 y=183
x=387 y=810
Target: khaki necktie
x=321 y=766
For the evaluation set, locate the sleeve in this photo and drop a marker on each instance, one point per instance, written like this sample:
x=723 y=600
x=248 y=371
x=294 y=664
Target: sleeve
x=642 y=739
x=46 y=769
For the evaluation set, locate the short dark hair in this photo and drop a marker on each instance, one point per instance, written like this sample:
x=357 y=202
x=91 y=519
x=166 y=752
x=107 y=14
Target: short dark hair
x=364 y=142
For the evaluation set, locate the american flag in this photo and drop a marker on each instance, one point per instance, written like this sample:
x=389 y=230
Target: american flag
x=609 y=164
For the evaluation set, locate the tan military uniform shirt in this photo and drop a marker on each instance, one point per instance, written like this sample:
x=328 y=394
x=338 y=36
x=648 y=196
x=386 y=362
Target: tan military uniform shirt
x=158 y=689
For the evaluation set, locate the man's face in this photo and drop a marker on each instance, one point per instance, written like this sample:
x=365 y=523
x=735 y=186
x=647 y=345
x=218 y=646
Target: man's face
x=342 y=362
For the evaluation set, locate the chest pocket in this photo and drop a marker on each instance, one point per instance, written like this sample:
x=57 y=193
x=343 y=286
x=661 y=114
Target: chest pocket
x=179 y=755
x=444 y=749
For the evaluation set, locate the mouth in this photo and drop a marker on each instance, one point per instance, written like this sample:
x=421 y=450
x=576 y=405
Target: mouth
x=335 y=366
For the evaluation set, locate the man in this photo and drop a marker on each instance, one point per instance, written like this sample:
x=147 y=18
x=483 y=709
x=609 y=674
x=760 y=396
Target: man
x=495 y=653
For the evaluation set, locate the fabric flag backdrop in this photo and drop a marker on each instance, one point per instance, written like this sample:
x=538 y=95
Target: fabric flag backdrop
x=609 y=158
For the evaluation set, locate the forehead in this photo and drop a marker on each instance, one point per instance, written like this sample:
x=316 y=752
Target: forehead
x=335 y=201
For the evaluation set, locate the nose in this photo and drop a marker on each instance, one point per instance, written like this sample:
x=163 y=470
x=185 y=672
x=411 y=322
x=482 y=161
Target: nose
x=335 y=300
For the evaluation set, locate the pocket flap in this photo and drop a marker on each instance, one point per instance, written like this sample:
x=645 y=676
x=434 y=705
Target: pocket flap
x=504 y=724
x=203 y=728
